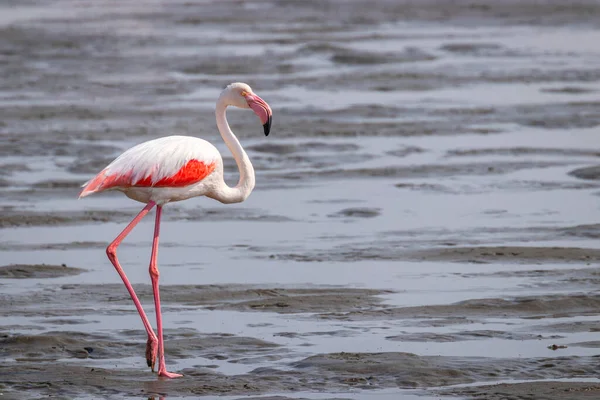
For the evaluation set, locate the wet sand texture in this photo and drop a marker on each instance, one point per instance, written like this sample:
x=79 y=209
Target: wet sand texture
x=477 y=255
x=335 y=371
x=424 y=225
x=537 y=391
x=531 y=255
x=329 y=371
x=37 y=271
x=590 y=173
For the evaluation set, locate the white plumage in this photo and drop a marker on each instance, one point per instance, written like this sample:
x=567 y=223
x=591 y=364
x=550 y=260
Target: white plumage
x=163 y=157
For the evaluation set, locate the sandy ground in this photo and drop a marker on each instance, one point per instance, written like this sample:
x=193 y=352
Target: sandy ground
x=50 y=361
x=424 y=225
x=541 y=391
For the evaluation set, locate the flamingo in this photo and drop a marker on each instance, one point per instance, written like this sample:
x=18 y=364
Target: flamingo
x=176 y=168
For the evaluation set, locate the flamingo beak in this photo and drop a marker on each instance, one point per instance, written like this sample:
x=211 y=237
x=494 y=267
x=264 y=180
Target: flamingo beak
x=262 y=110
x=267 y=125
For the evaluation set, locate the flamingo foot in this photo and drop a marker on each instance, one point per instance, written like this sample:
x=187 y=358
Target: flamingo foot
x=170 y=375
x=151 y=351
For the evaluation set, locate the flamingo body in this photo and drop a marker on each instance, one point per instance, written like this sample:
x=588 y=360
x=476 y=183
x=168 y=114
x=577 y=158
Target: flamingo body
x=175 y=168
x=167 y=169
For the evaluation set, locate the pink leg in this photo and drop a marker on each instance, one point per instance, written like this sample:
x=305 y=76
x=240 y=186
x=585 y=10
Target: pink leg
x=154 y=274
x=111 y=251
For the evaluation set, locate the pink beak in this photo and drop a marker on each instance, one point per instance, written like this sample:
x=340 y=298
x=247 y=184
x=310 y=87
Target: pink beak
x=262 y=109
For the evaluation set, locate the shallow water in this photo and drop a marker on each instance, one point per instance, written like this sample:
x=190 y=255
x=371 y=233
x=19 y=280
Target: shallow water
x=425 y=216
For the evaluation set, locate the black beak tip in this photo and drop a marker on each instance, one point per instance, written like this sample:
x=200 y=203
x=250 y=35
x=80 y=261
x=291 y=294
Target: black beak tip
x=267 y=126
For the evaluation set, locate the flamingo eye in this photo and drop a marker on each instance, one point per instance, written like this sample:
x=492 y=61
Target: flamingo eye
x=244 y=93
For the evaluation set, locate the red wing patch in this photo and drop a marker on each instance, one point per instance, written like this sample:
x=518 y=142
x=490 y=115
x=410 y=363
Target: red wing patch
x=193 y=171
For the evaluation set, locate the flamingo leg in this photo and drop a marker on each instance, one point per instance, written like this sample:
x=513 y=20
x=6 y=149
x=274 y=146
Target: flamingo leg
x=111 y=251
x=154 y=275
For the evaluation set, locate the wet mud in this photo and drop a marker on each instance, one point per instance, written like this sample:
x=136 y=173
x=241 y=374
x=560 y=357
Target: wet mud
x=12 y=217
x=424 y=223
x=37 y=271
x=590 y=173
x=467 y=335
x=28 y=352
x=76 y=298
x=17 y=218
x=330 y=371
x=477 y=255
x=537 y=390
x=531 y=307
x=531 y=255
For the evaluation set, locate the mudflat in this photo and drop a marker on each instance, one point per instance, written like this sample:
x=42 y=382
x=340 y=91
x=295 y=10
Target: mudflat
x=425 y=221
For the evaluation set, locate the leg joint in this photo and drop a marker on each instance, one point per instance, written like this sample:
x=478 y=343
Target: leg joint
x=154 y=274
x=111 y=251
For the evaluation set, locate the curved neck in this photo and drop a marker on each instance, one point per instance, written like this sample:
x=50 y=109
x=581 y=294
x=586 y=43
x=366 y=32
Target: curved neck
x=242 y=190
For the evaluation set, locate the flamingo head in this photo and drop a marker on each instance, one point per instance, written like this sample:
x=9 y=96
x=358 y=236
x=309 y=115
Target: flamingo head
x=241 y=95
